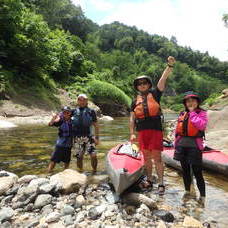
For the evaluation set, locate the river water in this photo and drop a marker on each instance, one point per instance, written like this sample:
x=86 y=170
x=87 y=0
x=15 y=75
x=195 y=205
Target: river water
x=27 y=150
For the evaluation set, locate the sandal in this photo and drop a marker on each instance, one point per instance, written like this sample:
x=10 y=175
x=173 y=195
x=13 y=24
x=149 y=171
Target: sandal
x=146 y=185
x=161 y=189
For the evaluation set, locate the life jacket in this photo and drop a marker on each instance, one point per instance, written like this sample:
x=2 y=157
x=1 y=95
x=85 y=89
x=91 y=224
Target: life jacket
x=186 y=128
x=146 y=107
x=82 y=118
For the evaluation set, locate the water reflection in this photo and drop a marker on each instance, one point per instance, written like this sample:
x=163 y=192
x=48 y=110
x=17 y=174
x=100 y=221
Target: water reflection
x=27 y=149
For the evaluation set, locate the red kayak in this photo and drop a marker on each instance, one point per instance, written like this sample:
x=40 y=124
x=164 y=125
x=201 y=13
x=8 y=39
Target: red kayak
x=125 y=165
x=212 y=160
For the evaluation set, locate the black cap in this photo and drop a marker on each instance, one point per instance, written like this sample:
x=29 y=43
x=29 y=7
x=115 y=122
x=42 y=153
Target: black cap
x=66 y=108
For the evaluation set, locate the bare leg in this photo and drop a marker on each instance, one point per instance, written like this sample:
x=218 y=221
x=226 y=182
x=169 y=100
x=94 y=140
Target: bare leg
x=51 y=166
x=66 y=165
x=158 y=165
x=94 y=162
x=148 y=163
x=80 y=162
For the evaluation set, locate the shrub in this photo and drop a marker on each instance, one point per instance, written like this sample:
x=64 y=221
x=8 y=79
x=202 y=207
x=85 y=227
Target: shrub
x=102 y=92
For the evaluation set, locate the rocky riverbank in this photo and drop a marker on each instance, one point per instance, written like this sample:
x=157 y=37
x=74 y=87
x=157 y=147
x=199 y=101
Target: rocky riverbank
x=71 y=199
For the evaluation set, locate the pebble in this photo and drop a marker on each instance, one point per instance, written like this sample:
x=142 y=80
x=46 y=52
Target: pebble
x=42 y=200
x=53 y=217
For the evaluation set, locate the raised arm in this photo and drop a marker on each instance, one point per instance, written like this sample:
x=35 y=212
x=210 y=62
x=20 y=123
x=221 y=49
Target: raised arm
x=55 y=118
x=162 y=81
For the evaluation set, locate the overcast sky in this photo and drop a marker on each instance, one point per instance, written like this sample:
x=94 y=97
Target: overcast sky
x=195 y=23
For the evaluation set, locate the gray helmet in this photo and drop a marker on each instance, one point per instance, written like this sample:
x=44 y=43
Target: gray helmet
x=142 y=77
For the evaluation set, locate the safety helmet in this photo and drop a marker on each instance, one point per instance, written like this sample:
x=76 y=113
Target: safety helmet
x=140 y=78
x=191 y=94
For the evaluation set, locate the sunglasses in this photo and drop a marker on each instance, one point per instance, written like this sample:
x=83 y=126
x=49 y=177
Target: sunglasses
x=142 y=83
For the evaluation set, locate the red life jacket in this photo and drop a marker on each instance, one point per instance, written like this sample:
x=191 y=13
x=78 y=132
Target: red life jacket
x=146 y=107
x=186 y=128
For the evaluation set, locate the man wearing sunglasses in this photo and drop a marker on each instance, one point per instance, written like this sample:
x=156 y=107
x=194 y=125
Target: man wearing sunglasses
x=145 y=118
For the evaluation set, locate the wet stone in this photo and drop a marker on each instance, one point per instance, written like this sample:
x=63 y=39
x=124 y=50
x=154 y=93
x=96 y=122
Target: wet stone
x=164 y=215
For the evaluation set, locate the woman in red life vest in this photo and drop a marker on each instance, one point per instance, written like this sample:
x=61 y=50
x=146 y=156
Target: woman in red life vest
x=145 y=117
x=189 y=142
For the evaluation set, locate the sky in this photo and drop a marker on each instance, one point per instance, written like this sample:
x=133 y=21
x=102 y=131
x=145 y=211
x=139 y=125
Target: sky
x=195 y=23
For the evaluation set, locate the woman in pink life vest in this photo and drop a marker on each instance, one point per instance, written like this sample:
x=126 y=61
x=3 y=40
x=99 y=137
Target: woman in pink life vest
x=189 y=142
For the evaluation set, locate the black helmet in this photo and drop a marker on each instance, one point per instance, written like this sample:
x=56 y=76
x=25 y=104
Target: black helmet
x=191 y=94
x=142 y=77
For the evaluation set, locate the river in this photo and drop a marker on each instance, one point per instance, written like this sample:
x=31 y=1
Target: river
x=27 y=149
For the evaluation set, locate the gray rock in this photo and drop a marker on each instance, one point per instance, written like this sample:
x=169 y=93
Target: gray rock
x=53 y=217
x=164 y=215
x=48 y=209
x=42 y=200
x=26 y=179
x=68 y=220
x=46 y=188
x=31 y=189
x=95 y=212
x=6 y=213
x=39 y=181
x=67 y=210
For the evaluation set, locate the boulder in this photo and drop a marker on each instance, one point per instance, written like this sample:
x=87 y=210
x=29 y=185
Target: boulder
x=217 y=130
x=69 y=180
x=26 y=179
x=7 y=180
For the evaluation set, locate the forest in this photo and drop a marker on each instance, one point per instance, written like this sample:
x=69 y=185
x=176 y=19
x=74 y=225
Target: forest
x=50 y=44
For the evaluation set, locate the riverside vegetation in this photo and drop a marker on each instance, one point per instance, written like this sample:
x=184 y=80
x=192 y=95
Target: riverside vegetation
x=50 y=44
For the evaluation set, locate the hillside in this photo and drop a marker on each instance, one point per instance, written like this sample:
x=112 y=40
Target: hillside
x=47 y=45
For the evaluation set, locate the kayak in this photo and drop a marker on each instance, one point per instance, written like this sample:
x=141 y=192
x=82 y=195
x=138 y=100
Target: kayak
x=213 y=160
x=125 y=166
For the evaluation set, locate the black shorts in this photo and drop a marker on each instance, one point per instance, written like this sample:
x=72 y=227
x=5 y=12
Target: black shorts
x=191 y=155
x=61 y=154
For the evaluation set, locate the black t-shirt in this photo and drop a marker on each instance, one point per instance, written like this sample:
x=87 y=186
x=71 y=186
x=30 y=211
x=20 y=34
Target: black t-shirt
x=154 y=123
x=81 y=130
